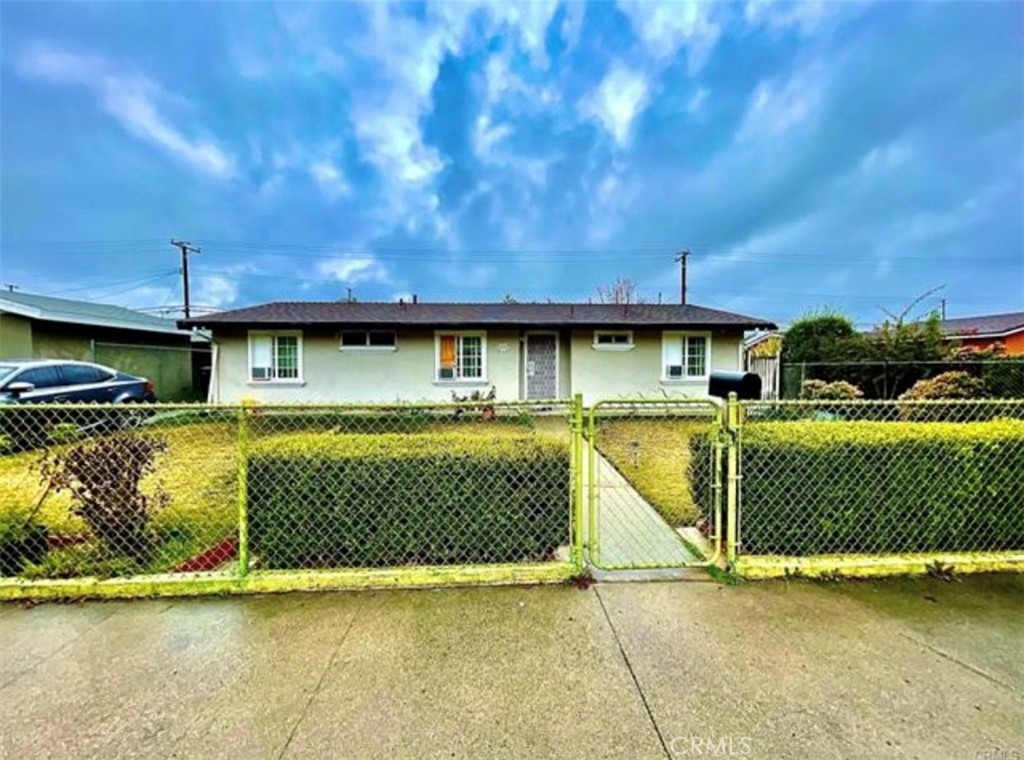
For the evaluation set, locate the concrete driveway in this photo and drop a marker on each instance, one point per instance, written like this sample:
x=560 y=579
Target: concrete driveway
x=884 y=669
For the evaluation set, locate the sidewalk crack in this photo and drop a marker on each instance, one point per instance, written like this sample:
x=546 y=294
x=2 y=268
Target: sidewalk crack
x=956 y=660
x=632 y=674
x=320 y=682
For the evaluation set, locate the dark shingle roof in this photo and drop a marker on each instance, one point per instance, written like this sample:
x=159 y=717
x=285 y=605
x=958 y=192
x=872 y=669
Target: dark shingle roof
x=297 y=313
x=988 y=324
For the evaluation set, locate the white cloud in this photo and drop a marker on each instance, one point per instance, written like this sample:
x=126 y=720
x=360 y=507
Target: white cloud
x=806 y=15
x=486 y=136
x=666 y=26
x=129 y=97
x=777 y=107
x=353 y=270
x=617 y=101
x=215 y=291
x=330 y=180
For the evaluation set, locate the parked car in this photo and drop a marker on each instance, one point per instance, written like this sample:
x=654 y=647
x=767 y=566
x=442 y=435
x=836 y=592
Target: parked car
x=103 y=392
x=35 y=381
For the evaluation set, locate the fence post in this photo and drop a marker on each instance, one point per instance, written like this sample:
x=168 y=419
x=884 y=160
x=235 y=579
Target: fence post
x=733 y=477
x=593 y=532
x=577 y=496
x=242 y=465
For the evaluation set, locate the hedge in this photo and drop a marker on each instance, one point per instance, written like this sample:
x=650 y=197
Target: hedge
x=880 y=487
x=346 y=500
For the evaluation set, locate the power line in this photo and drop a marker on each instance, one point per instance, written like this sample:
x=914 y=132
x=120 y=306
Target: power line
x=553 y=254
x=112 y=283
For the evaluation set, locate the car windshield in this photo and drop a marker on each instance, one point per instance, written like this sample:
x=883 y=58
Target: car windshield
x=6 y=370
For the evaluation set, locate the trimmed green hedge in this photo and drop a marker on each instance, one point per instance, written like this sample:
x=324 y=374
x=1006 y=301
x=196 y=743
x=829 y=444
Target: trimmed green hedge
x=340 y=500
x=879 y=487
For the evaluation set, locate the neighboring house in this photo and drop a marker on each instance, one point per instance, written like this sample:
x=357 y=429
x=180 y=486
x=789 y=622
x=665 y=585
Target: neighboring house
x=43 y=327
x=981 y=332
x=340 y=351
x=762 y=355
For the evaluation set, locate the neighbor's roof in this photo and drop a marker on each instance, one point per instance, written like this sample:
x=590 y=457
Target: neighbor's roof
x=65 y=310
x=297 y=313
x=986 y=326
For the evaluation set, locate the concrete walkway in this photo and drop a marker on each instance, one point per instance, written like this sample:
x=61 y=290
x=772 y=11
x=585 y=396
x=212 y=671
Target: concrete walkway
x=632 y=533
x=891 y=669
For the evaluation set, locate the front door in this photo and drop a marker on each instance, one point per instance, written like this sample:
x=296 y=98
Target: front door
x=541 y=366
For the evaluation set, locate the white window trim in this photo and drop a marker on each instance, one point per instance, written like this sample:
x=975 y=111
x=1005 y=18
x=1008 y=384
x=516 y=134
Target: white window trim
x=368 y=349
x=482 y=380
x=614 y=346
x=673 y=336
x=299 y=380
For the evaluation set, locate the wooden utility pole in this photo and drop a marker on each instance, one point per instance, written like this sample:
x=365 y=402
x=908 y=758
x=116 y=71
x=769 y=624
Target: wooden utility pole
x=186 y=248
x=681 y=258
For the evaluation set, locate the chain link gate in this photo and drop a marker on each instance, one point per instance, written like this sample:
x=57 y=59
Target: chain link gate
x=655 y=478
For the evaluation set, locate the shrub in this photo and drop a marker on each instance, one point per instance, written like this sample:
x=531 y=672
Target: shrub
x=839 y=390
x=948 y=385
x=103 y=478
x=22 y=542
x=875 y=487
x=325 y=500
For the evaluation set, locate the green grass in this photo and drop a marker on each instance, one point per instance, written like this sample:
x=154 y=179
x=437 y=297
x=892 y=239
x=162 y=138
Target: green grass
x=654 y=456
x=198 y=474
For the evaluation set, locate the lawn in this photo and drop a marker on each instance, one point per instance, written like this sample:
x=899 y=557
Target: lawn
x=654 y=456
x=197 y=472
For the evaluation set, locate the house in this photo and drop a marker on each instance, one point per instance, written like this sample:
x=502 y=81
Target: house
x=762 y=355
x=44 y=327
x=340 y=351
x=982 y=332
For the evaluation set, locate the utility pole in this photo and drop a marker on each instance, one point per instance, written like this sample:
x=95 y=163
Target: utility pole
x=681 y=258
x=186 y=248
x=943 y=310
x=11 y=287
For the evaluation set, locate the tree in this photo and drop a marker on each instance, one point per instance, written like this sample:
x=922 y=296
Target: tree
x=622 y=291
x=824 y=337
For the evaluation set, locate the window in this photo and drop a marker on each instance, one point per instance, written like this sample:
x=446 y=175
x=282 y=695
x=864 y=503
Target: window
x=83 y=374
x=613 y=340
x=275 y=357
x=460 y=356
x=368 y=339
x=40 y=377
x=685 y=356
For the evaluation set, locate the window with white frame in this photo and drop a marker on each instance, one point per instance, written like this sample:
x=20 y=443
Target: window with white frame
x=275 y=356
x=685 y=355
x=357 y=339
x=460 y=356
x=613 y=339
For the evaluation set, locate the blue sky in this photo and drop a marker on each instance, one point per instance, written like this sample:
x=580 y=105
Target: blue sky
x=808 y=155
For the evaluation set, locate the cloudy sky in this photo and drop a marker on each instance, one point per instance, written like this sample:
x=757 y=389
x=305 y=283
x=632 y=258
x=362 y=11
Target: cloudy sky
x=821 y=154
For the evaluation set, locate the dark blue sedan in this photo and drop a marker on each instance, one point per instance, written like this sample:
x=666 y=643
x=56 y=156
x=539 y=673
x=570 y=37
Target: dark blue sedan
x=35 y=381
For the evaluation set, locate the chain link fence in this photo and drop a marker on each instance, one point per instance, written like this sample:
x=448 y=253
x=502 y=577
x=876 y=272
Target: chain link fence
x=223 y=498
x=103 y=491
x=996 y=378
x=888 y=477
x=655 y=483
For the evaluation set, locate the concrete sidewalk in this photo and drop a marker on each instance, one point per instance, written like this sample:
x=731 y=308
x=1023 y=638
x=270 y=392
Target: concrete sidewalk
x=886 y=669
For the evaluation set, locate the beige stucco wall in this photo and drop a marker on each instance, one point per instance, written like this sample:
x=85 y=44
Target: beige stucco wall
x=330 y=374
x=599 y=374
x=407 y=373
x=15 y=337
